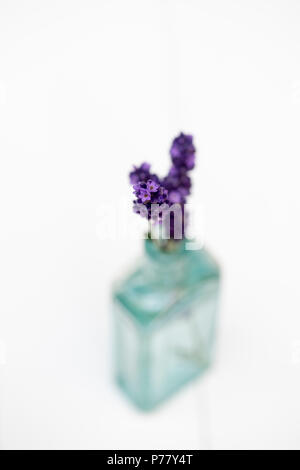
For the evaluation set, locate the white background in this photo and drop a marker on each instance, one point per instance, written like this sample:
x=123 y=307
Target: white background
x=87 y=88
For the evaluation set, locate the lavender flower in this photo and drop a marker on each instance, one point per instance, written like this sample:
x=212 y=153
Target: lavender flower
x=173 y=188
x=177 y=182
x=183 y=151
x=152 y=186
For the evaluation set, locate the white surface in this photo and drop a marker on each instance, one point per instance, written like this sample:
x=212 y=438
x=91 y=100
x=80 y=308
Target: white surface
x=86 y=89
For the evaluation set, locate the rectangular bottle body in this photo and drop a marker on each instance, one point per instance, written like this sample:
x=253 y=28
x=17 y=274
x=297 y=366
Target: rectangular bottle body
x=156 y=355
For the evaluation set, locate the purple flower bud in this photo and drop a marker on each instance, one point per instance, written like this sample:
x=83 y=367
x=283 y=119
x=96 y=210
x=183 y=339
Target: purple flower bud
x=175 y=196
x=142 y=173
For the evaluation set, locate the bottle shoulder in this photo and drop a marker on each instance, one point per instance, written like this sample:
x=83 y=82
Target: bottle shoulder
x=151 y=291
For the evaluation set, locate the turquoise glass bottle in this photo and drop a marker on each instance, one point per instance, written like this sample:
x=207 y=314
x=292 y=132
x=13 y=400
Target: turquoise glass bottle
x=165 y=322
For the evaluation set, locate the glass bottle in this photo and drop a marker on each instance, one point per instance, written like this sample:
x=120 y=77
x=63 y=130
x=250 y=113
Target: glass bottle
x=165 y=322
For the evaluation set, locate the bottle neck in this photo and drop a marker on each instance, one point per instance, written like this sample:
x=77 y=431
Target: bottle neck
x=166 y=262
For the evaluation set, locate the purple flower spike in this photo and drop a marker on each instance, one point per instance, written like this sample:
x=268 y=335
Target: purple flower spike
x=183 y=151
